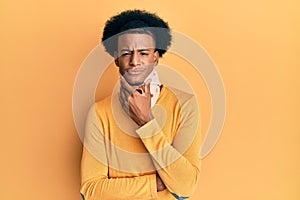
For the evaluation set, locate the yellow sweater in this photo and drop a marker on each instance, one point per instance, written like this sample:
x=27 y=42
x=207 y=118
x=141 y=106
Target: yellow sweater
x=120 y=160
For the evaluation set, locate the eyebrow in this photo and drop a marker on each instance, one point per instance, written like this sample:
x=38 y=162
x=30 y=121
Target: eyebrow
x=126 y=50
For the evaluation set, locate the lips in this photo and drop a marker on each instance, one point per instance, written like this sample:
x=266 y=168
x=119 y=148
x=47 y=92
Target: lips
x=135 y=71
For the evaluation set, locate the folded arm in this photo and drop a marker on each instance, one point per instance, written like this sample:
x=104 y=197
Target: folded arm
x=177 y=162
x=96 y=184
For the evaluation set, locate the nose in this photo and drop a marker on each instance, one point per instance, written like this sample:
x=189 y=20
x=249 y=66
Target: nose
x=135 y=59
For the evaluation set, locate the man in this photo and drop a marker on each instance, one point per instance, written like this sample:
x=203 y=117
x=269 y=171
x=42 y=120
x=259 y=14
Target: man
x=143 y=141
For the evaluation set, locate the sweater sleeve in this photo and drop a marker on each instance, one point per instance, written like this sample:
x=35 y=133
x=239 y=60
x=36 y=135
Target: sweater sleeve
x=95 y=183
x=177 y=162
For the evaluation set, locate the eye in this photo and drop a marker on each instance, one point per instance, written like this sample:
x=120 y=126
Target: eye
x=125 y=54
x=144 y=53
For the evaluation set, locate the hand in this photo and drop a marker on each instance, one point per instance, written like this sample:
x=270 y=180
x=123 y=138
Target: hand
x=126 y=90
x=136 y=101
x=140 y=104
x=160 y=186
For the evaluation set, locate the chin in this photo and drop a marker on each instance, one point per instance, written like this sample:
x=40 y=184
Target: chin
x=135 y=82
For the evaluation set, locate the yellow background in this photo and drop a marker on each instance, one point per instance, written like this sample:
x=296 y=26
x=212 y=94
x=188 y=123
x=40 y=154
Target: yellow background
x=255 y=45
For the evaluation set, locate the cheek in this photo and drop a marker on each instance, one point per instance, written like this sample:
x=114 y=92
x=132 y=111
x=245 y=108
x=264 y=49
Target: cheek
x=149 y=60
x=123 y=63
x=122 y=70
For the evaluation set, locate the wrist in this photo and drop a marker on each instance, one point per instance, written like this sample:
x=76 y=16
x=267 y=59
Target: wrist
x=146 y=119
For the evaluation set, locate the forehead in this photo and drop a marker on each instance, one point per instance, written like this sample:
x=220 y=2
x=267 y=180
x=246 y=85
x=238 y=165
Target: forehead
x=135 y=41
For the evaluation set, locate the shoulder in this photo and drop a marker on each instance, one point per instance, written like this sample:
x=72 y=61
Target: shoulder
x=103 y=105
x=99 y=109
x=173 y=94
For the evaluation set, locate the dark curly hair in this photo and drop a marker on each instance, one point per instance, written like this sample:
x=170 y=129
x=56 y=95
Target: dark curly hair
x=136 y=21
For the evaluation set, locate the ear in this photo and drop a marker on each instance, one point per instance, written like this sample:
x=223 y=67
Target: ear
x=156 y=57
x=117 y=62
x=116 y=58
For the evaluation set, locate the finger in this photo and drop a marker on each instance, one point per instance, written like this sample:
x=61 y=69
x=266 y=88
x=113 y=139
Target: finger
x=130 y=100
x=148 y=81
x=123 y=95
x=125 y=85
x=124 y=105
x=125 y=108
x=126 y=94
x=126 y=91
x=139 y=90
x=147 y=87
x=122 y=100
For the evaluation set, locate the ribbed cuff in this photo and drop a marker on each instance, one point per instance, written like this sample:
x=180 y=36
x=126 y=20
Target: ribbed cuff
x=150 y=129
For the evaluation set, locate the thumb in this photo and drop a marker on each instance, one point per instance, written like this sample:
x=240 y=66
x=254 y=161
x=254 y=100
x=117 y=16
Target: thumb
x=147 y=86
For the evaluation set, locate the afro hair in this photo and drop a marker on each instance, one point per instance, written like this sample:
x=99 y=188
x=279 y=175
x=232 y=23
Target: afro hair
x=137 y=21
